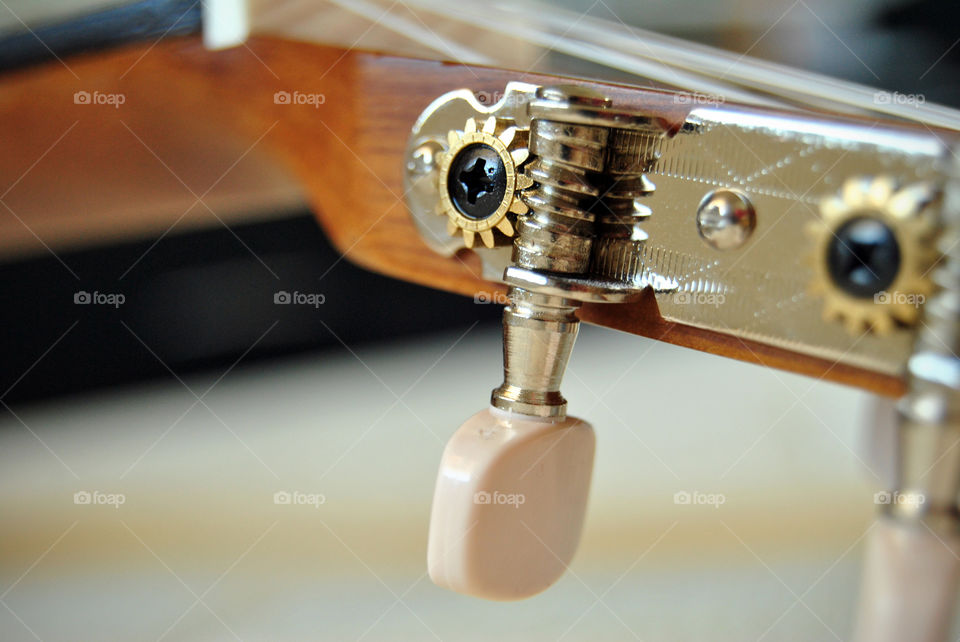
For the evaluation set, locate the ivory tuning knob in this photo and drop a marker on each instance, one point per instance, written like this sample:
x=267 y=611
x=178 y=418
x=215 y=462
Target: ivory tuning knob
x=509 y=503
x=514 y=478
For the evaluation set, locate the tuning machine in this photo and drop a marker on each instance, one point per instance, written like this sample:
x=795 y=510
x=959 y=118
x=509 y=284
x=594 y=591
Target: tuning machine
x=559 y=176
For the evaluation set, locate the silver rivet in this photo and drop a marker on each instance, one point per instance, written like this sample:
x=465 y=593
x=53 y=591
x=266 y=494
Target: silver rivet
x=726 y=219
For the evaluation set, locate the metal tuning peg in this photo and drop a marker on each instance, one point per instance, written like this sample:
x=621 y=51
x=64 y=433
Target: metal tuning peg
x=560 y=172
x=912 y=568
x=859 y=269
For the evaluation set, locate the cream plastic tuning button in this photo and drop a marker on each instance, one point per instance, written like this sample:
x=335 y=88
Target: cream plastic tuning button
x=909 y=584
x=509 y=504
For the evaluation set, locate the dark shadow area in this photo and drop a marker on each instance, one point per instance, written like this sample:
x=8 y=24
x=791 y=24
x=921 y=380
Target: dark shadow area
x=196 y=301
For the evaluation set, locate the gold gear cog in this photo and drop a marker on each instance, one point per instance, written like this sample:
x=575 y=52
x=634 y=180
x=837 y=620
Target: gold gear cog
x=510 y=146
x=907 y=213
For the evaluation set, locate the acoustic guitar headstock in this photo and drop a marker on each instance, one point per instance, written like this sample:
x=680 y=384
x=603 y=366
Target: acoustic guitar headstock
x=811 y=234
x=731 y=207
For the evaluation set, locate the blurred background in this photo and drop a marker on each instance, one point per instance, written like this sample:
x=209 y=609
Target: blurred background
x=196 y=398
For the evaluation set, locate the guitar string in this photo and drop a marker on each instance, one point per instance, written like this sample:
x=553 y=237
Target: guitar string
x=671 y=61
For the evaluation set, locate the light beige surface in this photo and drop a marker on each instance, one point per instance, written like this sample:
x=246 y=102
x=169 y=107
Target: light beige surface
x=778 y=559
x=911 y=574
x=509 y=504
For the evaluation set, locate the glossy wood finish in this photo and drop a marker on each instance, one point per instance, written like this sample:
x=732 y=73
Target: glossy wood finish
x=192 y=118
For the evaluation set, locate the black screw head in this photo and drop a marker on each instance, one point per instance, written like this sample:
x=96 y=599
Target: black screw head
x=863 y=257
x=477 y=181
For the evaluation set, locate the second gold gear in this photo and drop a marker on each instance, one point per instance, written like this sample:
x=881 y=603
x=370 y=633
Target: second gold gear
x=907 y=212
